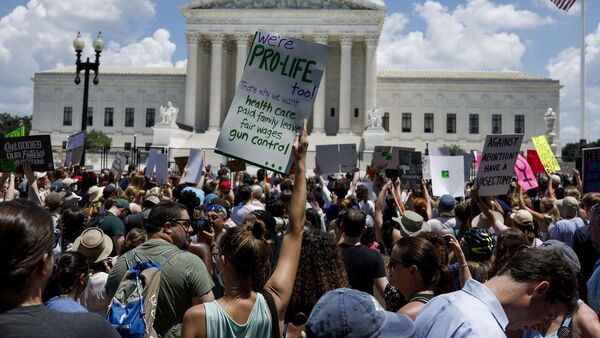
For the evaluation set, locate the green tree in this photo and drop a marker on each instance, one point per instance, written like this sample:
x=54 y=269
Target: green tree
x=10 y=122
x=96 y=139
x=455 y=150
x=571 y=151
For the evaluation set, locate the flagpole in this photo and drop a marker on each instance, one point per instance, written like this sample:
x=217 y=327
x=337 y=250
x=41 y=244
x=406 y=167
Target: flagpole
x=582 y=72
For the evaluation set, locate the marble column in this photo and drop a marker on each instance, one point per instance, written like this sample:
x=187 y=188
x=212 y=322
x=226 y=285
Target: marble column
x=191 y=79
x=215 y=83
x=371 y=74
x=345 y=85
x=319 y=110
x=241 y=41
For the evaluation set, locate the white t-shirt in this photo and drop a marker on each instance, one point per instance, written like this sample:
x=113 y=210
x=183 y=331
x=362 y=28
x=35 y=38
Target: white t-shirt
x=238 y=213
x=94 y=298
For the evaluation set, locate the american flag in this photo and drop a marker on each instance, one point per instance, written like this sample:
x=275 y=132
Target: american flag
x=563 y=4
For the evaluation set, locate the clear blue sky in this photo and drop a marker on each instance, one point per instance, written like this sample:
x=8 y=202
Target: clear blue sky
x=527 y=35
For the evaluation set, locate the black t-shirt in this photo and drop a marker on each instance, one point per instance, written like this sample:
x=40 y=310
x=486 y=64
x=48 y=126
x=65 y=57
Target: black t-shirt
x=585 y=250
x=39 y=321
x=362 y=265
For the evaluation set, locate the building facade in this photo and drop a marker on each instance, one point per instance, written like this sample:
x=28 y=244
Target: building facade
x=435 y=107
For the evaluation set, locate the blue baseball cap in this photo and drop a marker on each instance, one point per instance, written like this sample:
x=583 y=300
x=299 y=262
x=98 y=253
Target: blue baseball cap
x=355 y=314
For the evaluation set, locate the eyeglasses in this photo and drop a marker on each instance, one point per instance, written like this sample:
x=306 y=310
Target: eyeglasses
x=184 y=223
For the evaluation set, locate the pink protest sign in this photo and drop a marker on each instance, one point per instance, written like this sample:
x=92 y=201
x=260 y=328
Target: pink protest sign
x=525 y=174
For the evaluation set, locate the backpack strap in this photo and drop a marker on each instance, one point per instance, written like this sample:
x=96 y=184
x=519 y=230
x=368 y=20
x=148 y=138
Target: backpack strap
x=274 y=317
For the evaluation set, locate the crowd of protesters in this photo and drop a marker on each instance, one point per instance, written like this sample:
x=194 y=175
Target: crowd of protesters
x=299 y=256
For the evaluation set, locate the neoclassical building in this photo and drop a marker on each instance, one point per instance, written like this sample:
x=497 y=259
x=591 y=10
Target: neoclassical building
x=435 y=107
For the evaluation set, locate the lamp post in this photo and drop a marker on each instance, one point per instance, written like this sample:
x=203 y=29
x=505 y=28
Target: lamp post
x=134 y=157
x=87 y=66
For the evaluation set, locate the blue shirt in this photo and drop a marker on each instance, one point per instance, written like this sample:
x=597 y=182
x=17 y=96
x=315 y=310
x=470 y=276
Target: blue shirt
x=473 y=311
x=64 y=304
x=593 y=285
x=564 y=230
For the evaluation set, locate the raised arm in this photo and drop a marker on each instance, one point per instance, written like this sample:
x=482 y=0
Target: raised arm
x=33 y=193
x=463 y=266
x=578 y=182
x=484 y=206
x=378 y=215
x=428 y=197
x=281 y=282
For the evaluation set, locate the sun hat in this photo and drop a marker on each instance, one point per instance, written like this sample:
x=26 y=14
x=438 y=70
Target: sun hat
x=446 y=205
x=94 y=244
x=95 y=192
x=481 y=221
x=412 y=223
x=355 y=314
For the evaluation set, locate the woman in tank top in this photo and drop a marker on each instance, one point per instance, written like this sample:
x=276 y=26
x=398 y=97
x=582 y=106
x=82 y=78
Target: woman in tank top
x=243 y=264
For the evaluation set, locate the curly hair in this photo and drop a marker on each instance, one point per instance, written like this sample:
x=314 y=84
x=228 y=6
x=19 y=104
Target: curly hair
x=320 y=270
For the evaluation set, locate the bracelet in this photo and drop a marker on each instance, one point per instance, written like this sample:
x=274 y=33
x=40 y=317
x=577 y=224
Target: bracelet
x=464 y=265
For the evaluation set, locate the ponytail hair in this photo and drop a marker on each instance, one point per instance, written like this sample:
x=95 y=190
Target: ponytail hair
x=67 y=271
x=248 y=252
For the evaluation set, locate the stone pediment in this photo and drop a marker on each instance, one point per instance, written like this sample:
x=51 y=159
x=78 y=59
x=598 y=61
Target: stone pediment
x=284 y=4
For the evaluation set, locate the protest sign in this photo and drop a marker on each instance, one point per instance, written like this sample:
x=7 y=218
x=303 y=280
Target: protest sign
x=336 y=158
x=276 y=92
x=151 y=163
x=19 y=132
x=497 y=164
x=591 y=170
x=447 y=175
x=411 y=168
x=545 y=154
x=525 y=175
x=236 y=165
x=439 y=151
x=534 y=162
x=326 y=158
x=426 y=167
x=37 y=150
x=75 y=145
x=118 y=165
x=387 y=157
x=195 y=166
x=162 y=165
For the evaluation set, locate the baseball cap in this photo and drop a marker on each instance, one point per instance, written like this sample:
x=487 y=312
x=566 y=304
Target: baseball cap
x=522 y=217
x=109 y=190
x=446 y=205
x=412 y=223
x=66 y=182
x=225 y=185
x=54 y=200
x=569 y=202
x=564 y=250
x=355 y=314
x=152 y=200
x=122 y=203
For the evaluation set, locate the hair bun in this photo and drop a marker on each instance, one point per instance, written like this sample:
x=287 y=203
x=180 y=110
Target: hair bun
x=258 y=229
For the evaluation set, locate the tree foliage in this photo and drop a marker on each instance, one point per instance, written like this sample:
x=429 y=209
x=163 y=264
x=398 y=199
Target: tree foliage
x=571 y=151
x=96 y=139
x=10 y=122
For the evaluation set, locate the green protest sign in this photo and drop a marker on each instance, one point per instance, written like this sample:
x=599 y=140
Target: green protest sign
x=277 y=90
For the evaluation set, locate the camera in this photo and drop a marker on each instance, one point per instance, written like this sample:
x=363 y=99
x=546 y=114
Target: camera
x=201 y=224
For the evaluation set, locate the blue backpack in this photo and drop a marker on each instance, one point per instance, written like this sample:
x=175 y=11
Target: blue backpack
x=133 y=308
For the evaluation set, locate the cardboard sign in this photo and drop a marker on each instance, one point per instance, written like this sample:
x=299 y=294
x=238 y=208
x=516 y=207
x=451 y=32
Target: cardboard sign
x=447 y=175
x=37 y=150
x=410 y=169
x=545 y=153
x=276 y=92
x=497 y=165
x=426 y=167
x=387 y=157
x=235 y=165
x=336 y=158
x=526 y=177
x=195 y=166
x=534 y=162
x=151 y=163
x=118 y=165
x=162 y=166
x=591 y=170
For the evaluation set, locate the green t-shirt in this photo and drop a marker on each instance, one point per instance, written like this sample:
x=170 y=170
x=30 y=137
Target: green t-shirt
x=112 y=225
x=181 y=279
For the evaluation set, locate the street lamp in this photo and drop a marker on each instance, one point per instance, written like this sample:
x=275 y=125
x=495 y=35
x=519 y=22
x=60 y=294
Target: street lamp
x=134 y=157
x=87 y=66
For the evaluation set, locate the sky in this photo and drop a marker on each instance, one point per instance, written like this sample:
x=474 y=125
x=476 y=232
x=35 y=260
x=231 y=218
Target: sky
x=527 y=35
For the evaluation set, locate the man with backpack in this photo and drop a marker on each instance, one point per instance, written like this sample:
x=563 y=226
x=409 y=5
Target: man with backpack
x=184 y=280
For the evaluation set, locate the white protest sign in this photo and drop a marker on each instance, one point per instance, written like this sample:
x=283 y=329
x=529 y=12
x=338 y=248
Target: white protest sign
x=277 y=90
x=75 y=144
x=447 y=175
x=497 y=165
x=195 y=166
x=327 y=158
x=151 y=163
x=426 y=168
x=162 y=165
x=118 y=165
